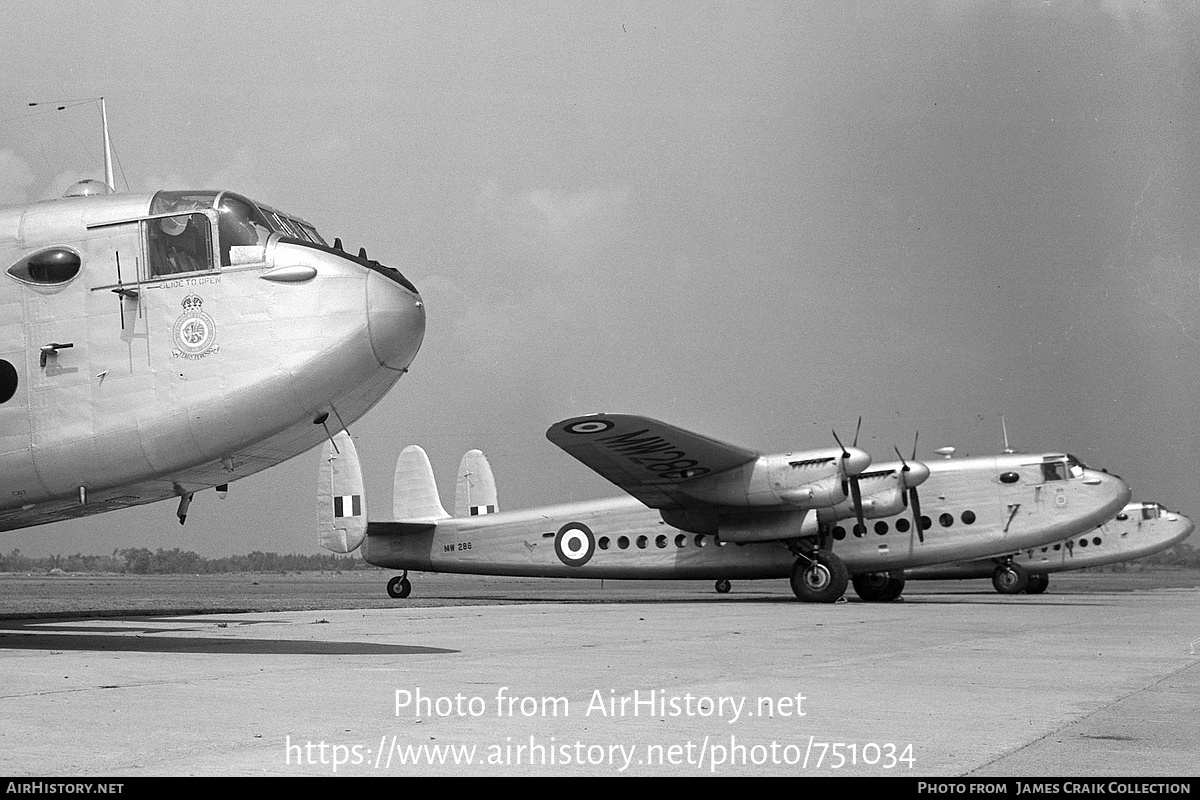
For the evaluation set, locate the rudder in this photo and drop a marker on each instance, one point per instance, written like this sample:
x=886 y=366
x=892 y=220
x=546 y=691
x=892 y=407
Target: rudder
x=475 y=491
x=414 y=491
x=341 y=502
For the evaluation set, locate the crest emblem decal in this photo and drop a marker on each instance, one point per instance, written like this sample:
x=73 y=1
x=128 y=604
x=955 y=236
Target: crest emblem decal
x=195 y=333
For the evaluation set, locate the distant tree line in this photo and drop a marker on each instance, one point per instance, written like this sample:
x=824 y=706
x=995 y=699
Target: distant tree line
x=141 y=561
x=1181 y=555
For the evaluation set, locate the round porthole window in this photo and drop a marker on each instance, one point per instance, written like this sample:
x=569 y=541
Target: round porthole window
x=47 y=267
x=8 y=381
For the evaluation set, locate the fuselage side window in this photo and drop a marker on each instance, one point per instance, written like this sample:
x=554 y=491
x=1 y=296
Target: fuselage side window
x=178 y=244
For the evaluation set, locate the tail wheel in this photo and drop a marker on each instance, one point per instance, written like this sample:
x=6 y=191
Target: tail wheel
x=1010 y=579
x=1037 y=583
x=399 y=587
x=823 y=579
x=723 y=586
x=878 y=587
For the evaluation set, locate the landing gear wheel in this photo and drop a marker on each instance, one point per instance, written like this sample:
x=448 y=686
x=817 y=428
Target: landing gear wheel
x=1010 y=579
x=878 y=587
x=823 y=579
x=399 y=587
x=1037 y=583
x=723 y=586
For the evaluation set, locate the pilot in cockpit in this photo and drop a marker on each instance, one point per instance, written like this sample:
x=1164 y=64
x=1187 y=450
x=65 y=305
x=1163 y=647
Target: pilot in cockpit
x=183 y=246
x=242 y=237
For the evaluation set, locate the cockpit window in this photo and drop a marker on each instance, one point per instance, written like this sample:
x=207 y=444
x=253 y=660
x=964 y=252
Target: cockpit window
x=243 y=225
x=179 y=243
x=284 y=225
x=1075 y=467
x=1054 y=471
x=243 y=231
x=309 y=232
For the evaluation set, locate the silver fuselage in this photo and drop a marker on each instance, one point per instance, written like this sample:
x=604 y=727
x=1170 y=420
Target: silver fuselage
x=632 y=541
x=1139 y=529
x=138 y=379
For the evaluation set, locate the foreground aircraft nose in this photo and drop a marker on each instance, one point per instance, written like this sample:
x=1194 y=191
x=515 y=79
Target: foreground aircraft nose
x=1113 y=489
x=395 y=320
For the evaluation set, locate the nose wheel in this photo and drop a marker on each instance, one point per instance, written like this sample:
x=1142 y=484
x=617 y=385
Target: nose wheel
x=819 y=578
x=399 y=587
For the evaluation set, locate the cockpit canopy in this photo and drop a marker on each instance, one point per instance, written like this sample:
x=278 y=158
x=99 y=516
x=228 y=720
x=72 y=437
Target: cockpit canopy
x=1051 y=468
x=1059 y=468
x=179 y=235
x=1147 y=510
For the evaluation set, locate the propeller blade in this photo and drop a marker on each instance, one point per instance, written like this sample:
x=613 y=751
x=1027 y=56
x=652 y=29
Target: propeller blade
x=842 y=466
x=915 y=502
x=856 y=493
x=910 y=482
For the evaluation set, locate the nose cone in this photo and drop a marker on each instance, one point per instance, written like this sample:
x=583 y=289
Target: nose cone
x=1185 y=527
x=395 y=320
x=1115 y=493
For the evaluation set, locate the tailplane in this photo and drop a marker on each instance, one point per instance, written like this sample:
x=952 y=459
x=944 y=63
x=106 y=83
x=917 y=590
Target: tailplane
x=475 y=493
x=341 y=503
x=414 y=492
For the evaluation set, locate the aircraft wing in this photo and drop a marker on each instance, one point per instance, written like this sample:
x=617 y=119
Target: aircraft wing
x=646 y=458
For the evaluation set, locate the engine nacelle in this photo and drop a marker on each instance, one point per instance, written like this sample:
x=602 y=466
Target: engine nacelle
x=809 y=480
x=883 y=502
x=768 y=526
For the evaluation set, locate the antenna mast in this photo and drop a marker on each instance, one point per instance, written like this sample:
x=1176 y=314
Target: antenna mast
x=1004 y=428
x=109 y=180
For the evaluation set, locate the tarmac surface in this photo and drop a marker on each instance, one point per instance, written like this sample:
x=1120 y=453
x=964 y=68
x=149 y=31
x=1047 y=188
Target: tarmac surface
x=632 y=678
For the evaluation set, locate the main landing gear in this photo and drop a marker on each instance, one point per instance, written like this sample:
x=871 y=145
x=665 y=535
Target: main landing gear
x=399 y=587
x=878 y=587
x=819 y=577
x=1038 y=581
x=1010 y=578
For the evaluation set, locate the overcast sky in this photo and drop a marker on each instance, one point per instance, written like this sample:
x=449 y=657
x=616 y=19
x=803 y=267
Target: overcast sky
x=754 y=220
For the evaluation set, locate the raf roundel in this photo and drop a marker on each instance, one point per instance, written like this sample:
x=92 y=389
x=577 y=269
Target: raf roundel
x=574 y=544
x=589 y=426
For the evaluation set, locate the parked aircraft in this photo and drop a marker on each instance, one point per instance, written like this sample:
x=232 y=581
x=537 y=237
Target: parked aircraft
x=704 y=509
x=1140 y=529
x=156 y=344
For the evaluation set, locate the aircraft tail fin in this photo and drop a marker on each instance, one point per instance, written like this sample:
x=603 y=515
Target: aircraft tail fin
x=414 y=491
x=341 y=502
x=475 y=492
